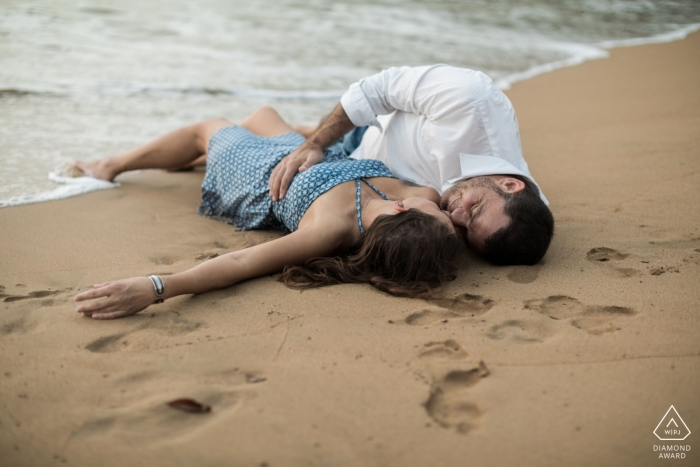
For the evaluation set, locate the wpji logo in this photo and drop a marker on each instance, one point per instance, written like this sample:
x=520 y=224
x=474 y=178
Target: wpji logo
x=672 y=428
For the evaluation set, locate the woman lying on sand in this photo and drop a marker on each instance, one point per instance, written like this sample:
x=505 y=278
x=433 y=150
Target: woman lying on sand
x=350 y=220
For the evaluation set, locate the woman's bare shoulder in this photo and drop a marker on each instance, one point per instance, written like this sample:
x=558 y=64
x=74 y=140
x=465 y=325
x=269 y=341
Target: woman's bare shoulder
x=398 y=189
x=334 y=211
x=425 y=192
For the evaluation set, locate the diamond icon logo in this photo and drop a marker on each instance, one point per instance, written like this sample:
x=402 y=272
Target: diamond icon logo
x=672 y=427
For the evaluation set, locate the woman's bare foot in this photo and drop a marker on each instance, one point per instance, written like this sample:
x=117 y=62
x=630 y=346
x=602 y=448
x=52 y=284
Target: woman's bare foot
x=101 y=169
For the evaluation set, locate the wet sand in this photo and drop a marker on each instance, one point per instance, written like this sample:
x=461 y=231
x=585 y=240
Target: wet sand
x=570 y=362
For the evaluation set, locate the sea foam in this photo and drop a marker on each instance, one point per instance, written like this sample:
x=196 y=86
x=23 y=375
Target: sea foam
x=68 y=186
x=581 y=53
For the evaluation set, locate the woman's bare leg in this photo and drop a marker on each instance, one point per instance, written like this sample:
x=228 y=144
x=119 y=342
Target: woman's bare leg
x=181 y=148
x=263 y=122
x=200 y=161
x=266 y=122
x=174 y=150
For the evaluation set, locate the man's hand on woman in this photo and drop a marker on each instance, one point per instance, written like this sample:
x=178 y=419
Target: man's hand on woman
x=302 y=158
x=309 y=153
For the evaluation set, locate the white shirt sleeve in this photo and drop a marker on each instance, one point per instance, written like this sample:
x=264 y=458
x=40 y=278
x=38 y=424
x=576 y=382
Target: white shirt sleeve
x=357 y=107
x=429 y=91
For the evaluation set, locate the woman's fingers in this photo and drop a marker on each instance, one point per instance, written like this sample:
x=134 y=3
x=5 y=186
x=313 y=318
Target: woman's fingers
x=111 y=314
x=96 y=306
x=116 y=299
x=106 y=310
x=92 y=294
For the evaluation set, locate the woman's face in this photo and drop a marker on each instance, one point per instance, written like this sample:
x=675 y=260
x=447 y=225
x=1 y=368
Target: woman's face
x=429 y=208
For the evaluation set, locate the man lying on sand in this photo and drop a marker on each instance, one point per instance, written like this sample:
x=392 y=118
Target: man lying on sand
x=446 y=130
x=450 y=129
x=350 y=220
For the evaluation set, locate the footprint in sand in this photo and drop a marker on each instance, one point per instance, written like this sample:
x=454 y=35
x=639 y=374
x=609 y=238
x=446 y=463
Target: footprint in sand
x=603 y=255
x=169 y=324
x=137 y=410
x=447 y=403
x=152 y=420
x=32 y=295
x=229 y=378
x=20 y=325
x=520 y=331
x=663 y=270
x=163 y=260
x=525 y=274
x=593 y=319
x=443 y=350
x=462 y=306
x=107 y=344
x=18 y=318
x=673 y=250
x=607 y=256
x=206 y=256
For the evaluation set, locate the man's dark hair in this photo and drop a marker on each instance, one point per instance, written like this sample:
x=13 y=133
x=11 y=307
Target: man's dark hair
x=526 y=239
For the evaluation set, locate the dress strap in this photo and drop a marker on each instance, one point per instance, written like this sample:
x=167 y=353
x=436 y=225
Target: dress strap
x=375 y=189
x=358 y=203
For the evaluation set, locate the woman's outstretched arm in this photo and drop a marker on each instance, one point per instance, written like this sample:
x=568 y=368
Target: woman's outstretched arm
x=128 y=296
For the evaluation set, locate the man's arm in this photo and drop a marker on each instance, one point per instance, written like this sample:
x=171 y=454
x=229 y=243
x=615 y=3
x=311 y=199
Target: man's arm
x=309 y=153
x=440 y=93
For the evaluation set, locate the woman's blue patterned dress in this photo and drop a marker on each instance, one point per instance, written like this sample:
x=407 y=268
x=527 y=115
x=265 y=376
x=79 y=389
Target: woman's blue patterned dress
x=239 y=164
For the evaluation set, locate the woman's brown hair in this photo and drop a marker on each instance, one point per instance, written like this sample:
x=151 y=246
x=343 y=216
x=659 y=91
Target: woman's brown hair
x=409 y=254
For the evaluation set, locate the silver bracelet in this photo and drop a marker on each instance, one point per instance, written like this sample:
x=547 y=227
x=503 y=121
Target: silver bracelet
x=159 y=287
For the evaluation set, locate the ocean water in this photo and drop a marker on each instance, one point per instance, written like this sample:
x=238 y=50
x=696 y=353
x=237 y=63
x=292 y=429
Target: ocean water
x=84 y=79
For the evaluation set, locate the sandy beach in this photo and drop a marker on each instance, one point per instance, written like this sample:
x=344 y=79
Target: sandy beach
x=571 y=362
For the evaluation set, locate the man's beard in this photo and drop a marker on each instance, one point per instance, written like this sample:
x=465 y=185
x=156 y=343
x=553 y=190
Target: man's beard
x=475 y=182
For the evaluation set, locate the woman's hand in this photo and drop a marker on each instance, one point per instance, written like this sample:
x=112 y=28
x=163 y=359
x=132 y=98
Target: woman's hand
x=117 y=299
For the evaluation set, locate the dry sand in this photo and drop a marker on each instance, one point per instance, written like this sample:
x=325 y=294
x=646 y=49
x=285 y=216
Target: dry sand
x=583 y=353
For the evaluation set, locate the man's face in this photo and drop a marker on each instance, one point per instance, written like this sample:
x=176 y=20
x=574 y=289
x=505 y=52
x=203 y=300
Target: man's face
x=476 y=209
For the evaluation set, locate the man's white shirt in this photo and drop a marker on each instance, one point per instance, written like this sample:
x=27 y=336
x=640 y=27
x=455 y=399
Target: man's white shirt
x=435 y=125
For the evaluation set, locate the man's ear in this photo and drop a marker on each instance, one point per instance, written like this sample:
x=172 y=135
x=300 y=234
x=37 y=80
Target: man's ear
x=511 y=185
x=399 y=207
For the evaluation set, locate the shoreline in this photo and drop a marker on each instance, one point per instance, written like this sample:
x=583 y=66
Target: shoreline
x=582 y=354
x=67 y=188
x=595 y=51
